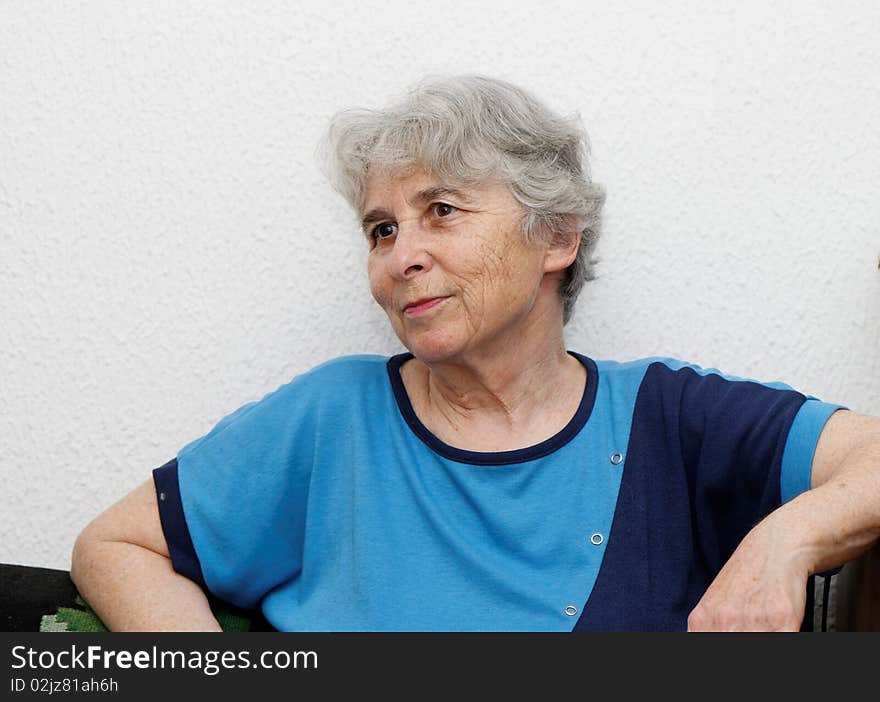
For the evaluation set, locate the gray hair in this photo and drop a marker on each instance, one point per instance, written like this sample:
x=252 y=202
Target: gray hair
x=472 y=129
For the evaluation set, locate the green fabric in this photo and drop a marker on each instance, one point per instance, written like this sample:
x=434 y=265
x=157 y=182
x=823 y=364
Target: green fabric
x=84 y=618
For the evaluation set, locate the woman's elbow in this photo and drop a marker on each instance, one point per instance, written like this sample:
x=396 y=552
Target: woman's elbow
x=82 y=555
x=132 y=521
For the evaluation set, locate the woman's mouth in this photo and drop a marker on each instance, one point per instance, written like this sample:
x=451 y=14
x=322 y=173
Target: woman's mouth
x=422 y=306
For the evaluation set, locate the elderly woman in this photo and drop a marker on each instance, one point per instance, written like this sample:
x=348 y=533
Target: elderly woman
x=488 y=478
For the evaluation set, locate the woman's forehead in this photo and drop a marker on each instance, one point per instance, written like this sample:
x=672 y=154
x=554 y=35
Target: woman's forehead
x=411 y=177
x=418 y=186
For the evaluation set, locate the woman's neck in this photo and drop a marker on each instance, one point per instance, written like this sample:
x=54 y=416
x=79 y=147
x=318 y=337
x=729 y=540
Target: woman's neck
x=519 y=397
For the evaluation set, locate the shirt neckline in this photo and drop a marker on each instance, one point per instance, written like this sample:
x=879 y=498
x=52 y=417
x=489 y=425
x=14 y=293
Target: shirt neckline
x=495 y=458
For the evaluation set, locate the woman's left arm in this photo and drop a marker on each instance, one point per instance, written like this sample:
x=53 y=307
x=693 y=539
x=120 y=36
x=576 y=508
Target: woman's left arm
x=762 y=587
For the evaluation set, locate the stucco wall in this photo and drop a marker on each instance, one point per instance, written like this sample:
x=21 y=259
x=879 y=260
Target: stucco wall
x=169 y=251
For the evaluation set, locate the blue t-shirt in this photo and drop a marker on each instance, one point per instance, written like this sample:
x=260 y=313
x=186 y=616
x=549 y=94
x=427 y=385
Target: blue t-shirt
x=332 y=507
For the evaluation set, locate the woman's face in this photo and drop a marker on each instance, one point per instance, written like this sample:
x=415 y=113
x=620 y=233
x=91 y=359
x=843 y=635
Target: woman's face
x=462 y=251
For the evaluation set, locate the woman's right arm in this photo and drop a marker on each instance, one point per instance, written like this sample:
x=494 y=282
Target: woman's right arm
x=121 y=566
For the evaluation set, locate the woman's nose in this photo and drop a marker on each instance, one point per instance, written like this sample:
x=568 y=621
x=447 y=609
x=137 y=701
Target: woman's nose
x=409 y=253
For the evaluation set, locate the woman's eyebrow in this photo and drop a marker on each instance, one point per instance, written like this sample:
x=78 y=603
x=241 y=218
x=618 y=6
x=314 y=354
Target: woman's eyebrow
x=377 y=214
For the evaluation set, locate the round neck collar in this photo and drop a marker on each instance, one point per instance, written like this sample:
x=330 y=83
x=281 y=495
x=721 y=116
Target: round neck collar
x=495 y=458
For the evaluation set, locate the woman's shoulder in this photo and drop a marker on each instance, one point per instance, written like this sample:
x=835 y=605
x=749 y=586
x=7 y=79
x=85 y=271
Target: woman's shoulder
x=342 y=372
x=664 y=373
x=643 y=362
x=654 y=371
x=659 y=363
x=639 y=366
x=349 y=371
x=350 y=363
x=330 y=384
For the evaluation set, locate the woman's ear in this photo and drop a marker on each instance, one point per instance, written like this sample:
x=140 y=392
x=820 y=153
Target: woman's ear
x=563 y=247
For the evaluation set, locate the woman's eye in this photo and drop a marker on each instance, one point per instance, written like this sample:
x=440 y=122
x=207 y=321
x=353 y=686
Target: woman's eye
x=384 y=230
x=441 y=209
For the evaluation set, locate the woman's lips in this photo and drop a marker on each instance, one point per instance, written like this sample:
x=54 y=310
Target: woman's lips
x=421 y=308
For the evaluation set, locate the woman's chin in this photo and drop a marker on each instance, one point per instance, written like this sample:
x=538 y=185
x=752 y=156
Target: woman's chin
x=429 y=349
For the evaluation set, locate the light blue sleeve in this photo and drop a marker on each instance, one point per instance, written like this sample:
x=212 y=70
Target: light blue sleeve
x=243 y=489
x=800 y=446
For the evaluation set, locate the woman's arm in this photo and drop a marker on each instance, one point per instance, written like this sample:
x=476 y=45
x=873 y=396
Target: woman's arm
x=121 y=566
x=762 y=586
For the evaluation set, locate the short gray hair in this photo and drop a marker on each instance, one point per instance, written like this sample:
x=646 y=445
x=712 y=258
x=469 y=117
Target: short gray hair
x=471 y=129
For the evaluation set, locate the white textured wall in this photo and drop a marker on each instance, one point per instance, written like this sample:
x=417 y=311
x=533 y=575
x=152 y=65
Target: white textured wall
x=169 y=251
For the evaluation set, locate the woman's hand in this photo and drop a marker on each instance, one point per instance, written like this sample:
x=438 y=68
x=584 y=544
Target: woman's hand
x=763 y=585
x=761 y=588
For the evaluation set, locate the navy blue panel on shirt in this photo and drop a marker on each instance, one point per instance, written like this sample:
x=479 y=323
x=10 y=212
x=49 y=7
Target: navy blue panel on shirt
x=174 y=527
x=702 y=468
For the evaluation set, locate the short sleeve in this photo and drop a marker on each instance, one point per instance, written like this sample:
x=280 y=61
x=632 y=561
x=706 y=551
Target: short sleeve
x=746 y=446
x=800 y=446
x=232 y=503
